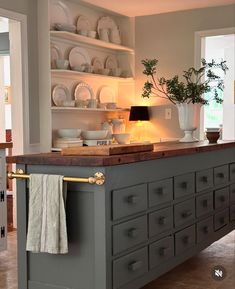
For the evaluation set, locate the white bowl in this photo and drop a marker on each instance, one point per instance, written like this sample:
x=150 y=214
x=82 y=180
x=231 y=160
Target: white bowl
x=69 y=132
x=94 y=134
x=122 y=138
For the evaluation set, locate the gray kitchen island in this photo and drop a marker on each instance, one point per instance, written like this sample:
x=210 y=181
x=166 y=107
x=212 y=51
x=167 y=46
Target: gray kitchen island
x=154 y=211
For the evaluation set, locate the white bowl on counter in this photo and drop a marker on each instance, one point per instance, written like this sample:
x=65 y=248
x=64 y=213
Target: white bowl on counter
x=122 y=138
x=94 y=134
x=69 y=132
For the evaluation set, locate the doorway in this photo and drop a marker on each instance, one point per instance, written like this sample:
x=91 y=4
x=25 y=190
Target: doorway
x=218 y=44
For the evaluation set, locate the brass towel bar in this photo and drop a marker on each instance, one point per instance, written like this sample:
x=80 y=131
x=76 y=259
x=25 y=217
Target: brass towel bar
x=98 y=178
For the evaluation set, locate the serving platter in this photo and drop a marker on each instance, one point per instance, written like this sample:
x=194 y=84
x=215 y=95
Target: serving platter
x=106 y=22
x=107 y=94
x=97 y=64
x=60 y=93
x=55 y=55
x=83 y=92
x=78 y=56
x=83 y=23
x=59 y=13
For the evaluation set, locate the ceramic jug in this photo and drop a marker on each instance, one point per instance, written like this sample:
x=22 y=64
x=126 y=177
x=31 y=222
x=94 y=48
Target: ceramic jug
x=107 y=125
x=118 y=125
x=104 y=34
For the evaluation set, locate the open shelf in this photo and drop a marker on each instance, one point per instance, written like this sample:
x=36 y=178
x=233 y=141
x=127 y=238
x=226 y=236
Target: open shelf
x=61 y=109
x=71 y=73
x=76 y=38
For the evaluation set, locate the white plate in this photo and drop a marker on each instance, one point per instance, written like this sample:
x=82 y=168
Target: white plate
x=78 y=56
x=107 y=94
x=111 y=62
x=98 y=64
x=83 y=92
x=106 y=23
x=59 y=13
x=83 y=23
x=55 y=54
x=60 y=94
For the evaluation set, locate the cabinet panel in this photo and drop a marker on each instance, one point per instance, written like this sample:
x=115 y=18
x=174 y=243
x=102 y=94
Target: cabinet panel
x=184 y=185
x=184 y=239
x=160 y=221
x=232 y=213
x=222 y=198
x=184 y=212
x=232 y=172
x=204 y=229
x=204 y=180
x=160 y=192
x=232 y=193
x=204 y=204
x=221 y=219
x=221 y=175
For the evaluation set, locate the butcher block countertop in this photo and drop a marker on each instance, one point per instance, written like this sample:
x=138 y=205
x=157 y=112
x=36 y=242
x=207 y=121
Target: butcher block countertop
x=161 y=150
x=5 y=145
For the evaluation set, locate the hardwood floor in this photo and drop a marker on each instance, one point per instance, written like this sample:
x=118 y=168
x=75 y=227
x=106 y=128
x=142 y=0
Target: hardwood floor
x=192 y=274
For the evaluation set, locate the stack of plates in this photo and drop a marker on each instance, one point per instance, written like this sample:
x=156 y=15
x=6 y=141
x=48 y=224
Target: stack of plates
x=67 y=142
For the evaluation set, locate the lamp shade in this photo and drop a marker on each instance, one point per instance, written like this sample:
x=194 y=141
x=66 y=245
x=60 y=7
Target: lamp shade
x=139 y=113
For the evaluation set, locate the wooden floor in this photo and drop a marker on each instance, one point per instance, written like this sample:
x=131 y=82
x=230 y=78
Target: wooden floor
x=192 y=274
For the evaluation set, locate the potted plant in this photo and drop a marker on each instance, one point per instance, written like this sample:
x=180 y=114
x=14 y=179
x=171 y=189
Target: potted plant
x=187 y=95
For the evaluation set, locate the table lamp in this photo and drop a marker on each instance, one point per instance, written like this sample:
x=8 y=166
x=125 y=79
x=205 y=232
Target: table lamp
x=139 y=114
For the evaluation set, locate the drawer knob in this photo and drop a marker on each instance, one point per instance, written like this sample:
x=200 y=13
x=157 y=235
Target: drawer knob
x=204 y=203
x=205 y=229
x=204 y=179
x=184 y=185
x=161 y=220
x=162 y=251
x=185 y=239
x=233 y=171
x=132 y=199
x=221 y=175
x=134 y=266
x=133 y=232
x=187 y=214
x=160 y=191
x=222 y=220
x=222 y=199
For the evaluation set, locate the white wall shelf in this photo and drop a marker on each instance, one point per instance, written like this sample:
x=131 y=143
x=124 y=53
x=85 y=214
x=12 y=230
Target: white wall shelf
x=72 y=74
x=76 y=39
x=69 y=109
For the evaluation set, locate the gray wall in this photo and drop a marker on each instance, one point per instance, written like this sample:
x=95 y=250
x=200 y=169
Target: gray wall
x=4 y=43
x=169 y=37
x=29 y=8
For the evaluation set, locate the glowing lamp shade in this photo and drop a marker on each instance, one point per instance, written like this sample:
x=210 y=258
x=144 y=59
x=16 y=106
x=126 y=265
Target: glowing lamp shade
x=139 y=113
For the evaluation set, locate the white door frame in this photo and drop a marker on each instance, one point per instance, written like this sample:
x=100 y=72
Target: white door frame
x=20 y=106
x=199 y=53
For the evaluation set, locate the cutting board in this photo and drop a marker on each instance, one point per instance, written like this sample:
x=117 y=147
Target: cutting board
x=107 y=150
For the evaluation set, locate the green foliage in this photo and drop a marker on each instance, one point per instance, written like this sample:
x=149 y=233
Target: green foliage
x=191 y=90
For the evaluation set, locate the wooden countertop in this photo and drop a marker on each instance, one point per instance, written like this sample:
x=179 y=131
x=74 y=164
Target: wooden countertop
x=161 y=150
x=5 y=145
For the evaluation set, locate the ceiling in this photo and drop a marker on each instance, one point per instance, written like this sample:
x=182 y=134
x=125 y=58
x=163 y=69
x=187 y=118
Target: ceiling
x=133 y=8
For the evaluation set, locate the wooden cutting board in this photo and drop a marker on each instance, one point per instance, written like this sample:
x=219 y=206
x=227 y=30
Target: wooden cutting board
x=106 y=150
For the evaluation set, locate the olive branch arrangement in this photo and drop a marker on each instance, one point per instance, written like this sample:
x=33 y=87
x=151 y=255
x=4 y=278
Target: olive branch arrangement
x=196 y=83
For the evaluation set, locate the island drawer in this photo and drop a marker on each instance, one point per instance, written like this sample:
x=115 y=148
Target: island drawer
x=161 y=251
x=160 y=192
x=204 y=204
x=232 y=213
x=184 y=185
x=204 y=229
x=221 y=175
x=129 y=234
x=160 y=221
x=221 y=219
x=232 y=193
x=130 y=267
x=221 y=198
x=184 y=212
x=129 y=201
x=184 y=239
x=232 y=172
x=204 y=180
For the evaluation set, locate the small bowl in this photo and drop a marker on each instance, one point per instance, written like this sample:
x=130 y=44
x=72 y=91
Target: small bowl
x=62 y=64
x=68 y=103
x=94 y=134
x=104 y=71
x=122 y=138
x=212 y=136
x=69 y=132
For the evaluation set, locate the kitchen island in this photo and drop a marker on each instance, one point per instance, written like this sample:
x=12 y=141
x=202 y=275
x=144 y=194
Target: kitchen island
x=154 y=211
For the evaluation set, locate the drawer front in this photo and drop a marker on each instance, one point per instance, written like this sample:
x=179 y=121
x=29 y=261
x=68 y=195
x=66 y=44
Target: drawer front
x=184 y=185
x=204 y=229
x=129 y=201
x=204 y=204
x=222 y=198
x=221 y=219
x=161 y=251
x=232 y=213
x=129 y=234
x=204 y=180
x=184 y=212
x=232 y=172
x=130 y=267
x=232 y=193
x=160 y=221
x=184 y=239
x=160 y=192
x=221 y=175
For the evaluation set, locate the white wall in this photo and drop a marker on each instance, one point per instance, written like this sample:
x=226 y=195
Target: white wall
x=169 y=37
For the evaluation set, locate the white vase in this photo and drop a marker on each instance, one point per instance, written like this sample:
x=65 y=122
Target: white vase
x=189 y=117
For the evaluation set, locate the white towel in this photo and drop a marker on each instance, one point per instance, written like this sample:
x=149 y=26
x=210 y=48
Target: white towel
x=47 y=231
